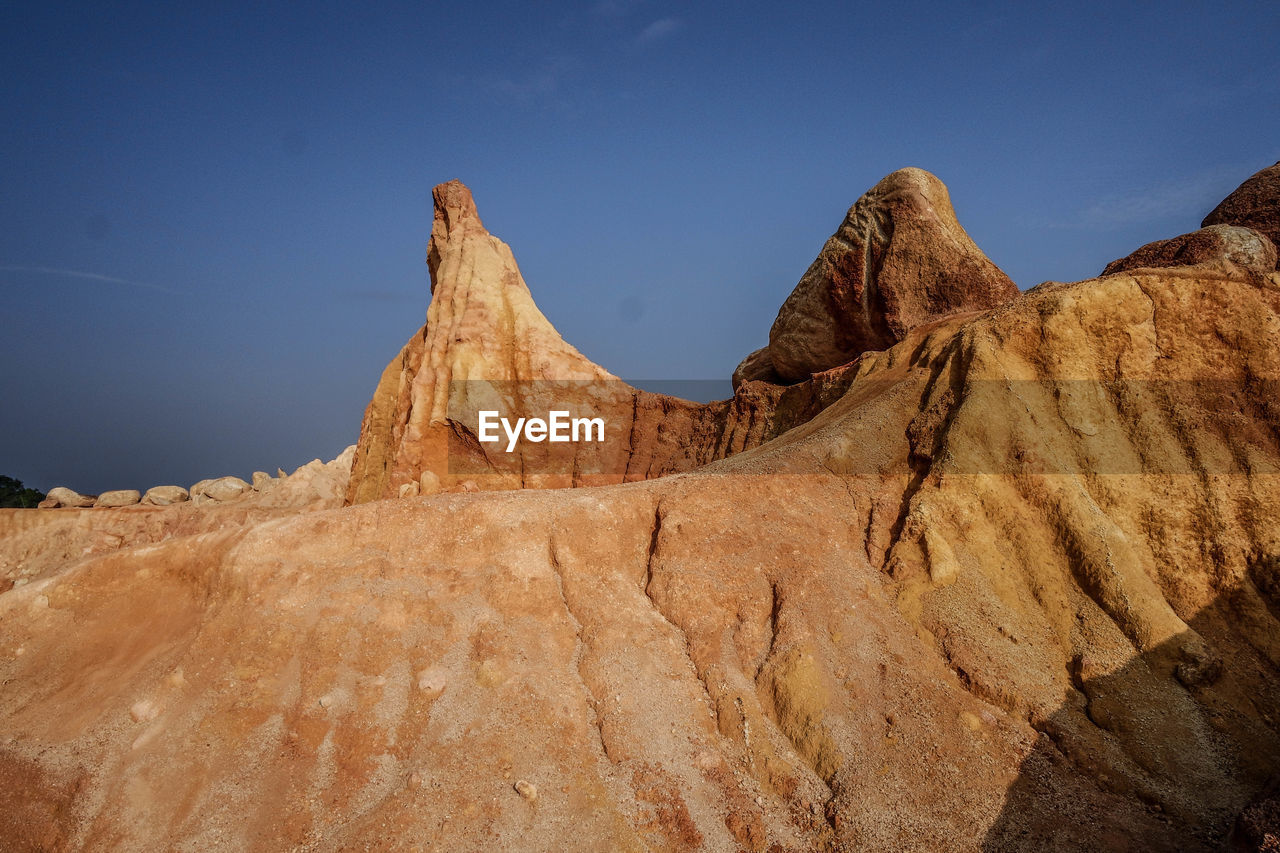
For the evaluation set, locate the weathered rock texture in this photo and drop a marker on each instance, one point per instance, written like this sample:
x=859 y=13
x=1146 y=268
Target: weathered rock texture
x=486 y=345
x=118 y=498
x=165 y=495
x=61 y=496
x=1016 y=587
x=899 y=260
x=1255 y=204
x=1214 y=245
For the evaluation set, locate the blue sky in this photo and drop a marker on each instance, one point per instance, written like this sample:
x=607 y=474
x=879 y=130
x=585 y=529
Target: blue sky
x=214 y=222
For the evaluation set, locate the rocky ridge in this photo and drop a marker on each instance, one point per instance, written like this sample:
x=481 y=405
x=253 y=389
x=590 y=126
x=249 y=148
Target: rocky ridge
x=1008 y=583
x=1254 y=204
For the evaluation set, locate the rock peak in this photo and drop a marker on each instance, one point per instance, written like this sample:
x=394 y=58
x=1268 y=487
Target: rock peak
x=899 y=260
x=454 y=212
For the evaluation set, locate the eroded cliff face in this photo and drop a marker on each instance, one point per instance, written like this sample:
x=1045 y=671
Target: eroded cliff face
x=1010 y=583
x=486 y=345
x=899 y=260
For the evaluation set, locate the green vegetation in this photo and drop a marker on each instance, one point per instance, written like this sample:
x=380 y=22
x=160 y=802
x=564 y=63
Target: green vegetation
x=14 y=494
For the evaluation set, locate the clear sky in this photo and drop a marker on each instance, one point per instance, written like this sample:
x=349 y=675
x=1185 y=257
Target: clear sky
x=213 y=223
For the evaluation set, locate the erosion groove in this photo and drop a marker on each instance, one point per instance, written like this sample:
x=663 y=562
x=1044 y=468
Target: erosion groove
x=957 y=568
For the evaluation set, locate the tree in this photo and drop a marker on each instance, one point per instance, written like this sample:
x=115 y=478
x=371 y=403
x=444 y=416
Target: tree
x=14 y=494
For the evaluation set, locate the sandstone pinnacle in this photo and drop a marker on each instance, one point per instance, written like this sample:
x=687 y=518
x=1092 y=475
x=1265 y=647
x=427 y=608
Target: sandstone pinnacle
x=900 y=259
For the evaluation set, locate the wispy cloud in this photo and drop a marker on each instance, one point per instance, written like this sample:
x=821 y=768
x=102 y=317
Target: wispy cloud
x=1190 y=199
x=658 y=30
x=90 y=276
x=544 y=82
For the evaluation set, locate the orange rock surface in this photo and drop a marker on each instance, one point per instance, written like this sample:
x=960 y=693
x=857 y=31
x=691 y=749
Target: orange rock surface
x=1010 y=584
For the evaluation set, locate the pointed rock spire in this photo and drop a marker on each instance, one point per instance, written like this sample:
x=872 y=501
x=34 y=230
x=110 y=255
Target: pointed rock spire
x=482 y=324
x=900 y=259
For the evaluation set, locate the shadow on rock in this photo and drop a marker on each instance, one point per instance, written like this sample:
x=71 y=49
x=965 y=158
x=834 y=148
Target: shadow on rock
x=1177 y=749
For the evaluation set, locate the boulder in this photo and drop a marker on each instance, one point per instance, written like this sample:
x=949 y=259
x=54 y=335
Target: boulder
x=119 y=497
x=262 y=481
x=317 y=484
x=225 y=488
x=1254 y=204
x=757 y=366
x=69 y=497
x=1241 y=247
x=428 y=483
x=165 y=495
x=899 y=260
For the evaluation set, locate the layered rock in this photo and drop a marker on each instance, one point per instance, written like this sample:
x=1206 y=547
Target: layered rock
x=899 y=260
x=1011 y=584
x=968 y=604
x=486 y=346
x=1254 y=204
x=1229 y=246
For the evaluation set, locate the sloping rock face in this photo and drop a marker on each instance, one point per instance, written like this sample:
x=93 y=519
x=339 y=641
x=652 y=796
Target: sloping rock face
x=1014 y=589
x=1011 y=584
x=1214 y=245
x=1255 y=204
x=899 y=260
x=486 y=346
x=482 y=325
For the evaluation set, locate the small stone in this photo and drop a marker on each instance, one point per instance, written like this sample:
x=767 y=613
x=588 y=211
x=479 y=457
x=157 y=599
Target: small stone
x=262 y=481
x=408 y=490
x=197 y=489
x=326 y=701
x=815 y=808
x=47 y=503
x=119 y=497
x=69 y=497
x=432 y=680
x=528 y=790
x=144 y=710
x=165 y=495
x=429 y=483
x=226 y=488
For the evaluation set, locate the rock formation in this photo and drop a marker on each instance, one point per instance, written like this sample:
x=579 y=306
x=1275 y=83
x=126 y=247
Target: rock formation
x=486 y=345
x=61 y=496
x=165 y=495
x=1254 y=204
x=118 y=498
x=899 y=260
x=1012 y=583
x=1240 y=247
x=482 y=326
